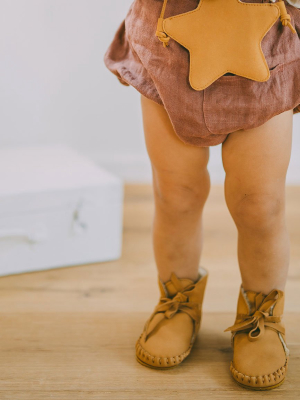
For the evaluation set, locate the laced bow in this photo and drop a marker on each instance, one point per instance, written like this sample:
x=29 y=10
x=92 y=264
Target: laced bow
x=260 y=319
x=167 y=308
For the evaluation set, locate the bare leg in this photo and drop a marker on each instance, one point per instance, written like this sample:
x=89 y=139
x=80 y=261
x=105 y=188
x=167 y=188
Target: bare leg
x=181 y=186
x=256 y=162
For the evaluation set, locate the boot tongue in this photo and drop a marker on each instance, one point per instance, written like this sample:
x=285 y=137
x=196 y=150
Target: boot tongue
x=171 y=289
x=254 y=300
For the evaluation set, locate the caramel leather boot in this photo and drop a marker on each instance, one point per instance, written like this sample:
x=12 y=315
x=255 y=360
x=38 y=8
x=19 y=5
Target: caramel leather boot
x=171 y=329
x=260 y=354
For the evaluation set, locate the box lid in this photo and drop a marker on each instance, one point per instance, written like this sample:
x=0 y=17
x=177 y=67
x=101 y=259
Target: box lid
x=40 y=177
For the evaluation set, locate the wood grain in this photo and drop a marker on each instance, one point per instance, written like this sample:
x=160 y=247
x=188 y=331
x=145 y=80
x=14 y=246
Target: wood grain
x=70 y=333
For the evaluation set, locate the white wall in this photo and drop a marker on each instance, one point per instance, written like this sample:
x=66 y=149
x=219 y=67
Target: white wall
x=54 y=86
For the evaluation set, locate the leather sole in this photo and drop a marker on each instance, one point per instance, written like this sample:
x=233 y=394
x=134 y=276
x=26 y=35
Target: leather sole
x=259 y=388
x=186 y=354
x=235 y=373
x=140 y=350
x=153 y=366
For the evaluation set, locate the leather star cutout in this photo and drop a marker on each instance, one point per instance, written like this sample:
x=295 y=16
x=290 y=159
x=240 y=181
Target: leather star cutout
x=224 y=36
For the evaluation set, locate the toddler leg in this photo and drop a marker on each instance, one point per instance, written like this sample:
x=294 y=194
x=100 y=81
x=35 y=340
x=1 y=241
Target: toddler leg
x=256 y=162
x=181 y=185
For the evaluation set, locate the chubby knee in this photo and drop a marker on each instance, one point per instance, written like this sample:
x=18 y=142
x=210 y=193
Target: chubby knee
x=181 y=195
x=257 y=211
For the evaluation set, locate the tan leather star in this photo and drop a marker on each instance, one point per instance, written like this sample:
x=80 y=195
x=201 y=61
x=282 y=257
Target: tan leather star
x=226 y=41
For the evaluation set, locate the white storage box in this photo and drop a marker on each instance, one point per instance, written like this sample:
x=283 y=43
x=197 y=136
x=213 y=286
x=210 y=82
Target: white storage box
x=57 y=209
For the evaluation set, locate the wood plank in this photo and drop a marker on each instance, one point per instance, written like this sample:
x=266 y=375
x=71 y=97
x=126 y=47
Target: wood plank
x=70 y=333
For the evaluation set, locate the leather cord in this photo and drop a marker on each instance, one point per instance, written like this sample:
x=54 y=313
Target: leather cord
x=163 y=9
x=162 y=36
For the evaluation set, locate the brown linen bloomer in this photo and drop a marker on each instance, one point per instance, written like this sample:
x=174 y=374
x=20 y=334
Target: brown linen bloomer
x=204 y=118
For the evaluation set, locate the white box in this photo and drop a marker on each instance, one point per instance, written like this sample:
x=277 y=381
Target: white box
x=57 y=208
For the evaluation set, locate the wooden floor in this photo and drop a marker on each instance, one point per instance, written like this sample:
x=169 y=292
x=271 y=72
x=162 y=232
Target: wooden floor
x=70 y=333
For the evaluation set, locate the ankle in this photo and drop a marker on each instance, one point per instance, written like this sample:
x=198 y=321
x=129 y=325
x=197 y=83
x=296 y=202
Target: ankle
x=263 y=287
x=165 y=277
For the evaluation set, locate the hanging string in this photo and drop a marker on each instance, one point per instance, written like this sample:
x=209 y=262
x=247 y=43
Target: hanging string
x=162 y=36
x=163 y=9
x=285 y=18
